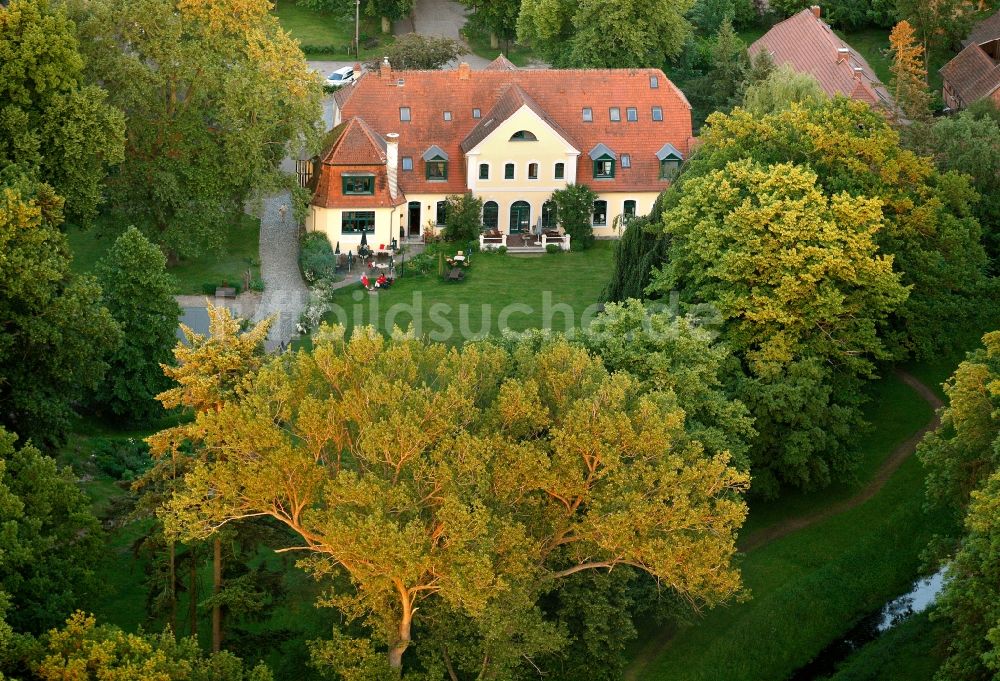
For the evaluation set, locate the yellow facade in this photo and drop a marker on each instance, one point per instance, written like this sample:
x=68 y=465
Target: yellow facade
x=534 y=180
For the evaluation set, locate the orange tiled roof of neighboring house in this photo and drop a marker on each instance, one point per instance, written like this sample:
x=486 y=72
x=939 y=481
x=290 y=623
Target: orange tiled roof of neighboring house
x=557 y=95
x=972 y=74
x=808 y=45
x=353 y=147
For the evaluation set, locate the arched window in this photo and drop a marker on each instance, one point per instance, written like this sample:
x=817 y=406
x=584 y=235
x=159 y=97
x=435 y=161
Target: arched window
x=600 y=213
x=484 y=171
x=491 y=215
x=520 y=217
x=549 y=215
x=523 y=136
x=442 y=212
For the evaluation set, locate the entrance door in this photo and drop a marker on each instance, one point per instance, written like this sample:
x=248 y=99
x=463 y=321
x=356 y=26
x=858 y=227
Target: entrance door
x=413 y=219
x=520 y=217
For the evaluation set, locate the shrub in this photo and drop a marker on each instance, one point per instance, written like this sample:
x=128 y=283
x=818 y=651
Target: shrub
x=316 y=258
x=257 y=284
x=552 y=248
x=502 y=250
x=575 y=208
x=463 y=218
x=422 y=263
x=209 y=288
x=121 y=459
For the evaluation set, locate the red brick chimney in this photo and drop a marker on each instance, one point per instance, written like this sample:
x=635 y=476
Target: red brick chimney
x=357 y=69
x=817 y=12
x=464 y=71
x=385 y=70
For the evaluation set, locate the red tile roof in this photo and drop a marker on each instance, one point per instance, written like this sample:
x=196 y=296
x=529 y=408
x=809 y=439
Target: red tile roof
x=806 y=44
x=353 y=147
x=559 y=94
x=972 y=75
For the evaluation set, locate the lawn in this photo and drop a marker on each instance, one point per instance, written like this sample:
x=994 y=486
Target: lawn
x=479 y=43
x=514 y=292
x=909 y=652
x=873 y=45
x=240 y=250
x=329 y=36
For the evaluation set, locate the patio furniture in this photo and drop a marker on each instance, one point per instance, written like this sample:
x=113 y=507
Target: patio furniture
x=526 y=239
x=456 y=274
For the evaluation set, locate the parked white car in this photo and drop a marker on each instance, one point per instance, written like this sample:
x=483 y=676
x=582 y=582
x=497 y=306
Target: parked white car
x=341 y=77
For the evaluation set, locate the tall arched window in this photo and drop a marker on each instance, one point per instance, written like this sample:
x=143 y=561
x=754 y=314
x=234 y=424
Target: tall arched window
x=520 y=217
x=600 y=213
x=491 y=215
x=442 y=212
x=549 y=215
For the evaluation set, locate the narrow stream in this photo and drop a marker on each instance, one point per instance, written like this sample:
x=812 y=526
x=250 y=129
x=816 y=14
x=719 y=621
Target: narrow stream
x=918 y=599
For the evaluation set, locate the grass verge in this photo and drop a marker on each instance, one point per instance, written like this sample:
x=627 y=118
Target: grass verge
x=239 y=251
x=499 y=292
x=812 y=586
x=329 y=36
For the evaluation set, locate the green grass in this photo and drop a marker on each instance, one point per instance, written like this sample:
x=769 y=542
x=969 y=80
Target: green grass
x=479 y=43
x=240 y=247
x=557 y=290
x=328 y=36
x=873 y=45
x=895 y=413
x=908 y=652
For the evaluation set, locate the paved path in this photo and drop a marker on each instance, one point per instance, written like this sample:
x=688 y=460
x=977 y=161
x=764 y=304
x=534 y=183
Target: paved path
x=285 y=294
x=655 y=647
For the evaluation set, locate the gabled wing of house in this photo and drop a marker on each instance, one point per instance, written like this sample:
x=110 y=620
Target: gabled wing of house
x=974 y=73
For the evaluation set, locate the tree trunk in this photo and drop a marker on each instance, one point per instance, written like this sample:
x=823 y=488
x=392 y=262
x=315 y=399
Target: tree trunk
x=399 y=646
x=386 y=25
x=193 y=591
x=172 y=559
x=494 y=41
x=216 y=589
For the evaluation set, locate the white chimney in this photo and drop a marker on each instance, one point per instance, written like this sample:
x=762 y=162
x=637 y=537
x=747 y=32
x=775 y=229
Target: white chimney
x=392 y=162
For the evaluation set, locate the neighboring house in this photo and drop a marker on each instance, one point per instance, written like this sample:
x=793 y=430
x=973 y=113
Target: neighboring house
x=808 y=45
x=407 y=140
x=974 y=73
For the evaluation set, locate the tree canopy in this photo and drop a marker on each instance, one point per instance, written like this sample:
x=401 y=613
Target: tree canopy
x=419 y=52
x=138 y=292
x=466 y=480
x=53 y=127
x=780 y=89
x=215 y=95
x=575 y=212
x=56 y=334
x=605 y=33
x=50 y=539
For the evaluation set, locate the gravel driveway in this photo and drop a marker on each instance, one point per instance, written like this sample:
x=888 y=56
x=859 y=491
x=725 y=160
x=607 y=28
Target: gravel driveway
x=285 y=294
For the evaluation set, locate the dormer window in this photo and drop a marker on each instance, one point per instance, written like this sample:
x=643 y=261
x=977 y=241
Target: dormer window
x=407 y=163
x=476 y=113
x=615 y=113
x=626 y=161
x=588 y=114
x=670 y=161
x=436 y=164
x=654 y=82
x=404 y=113
x=358 y=184
x=604 y=162
x=523 y=136
x=447 y=115
x=632 y=114
x=657 y=113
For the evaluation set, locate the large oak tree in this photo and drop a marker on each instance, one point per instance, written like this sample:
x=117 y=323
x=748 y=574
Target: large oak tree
x=465 y=479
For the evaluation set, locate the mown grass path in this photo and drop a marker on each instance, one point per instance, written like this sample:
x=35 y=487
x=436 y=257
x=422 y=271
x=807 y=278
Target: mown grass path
x=655 y=647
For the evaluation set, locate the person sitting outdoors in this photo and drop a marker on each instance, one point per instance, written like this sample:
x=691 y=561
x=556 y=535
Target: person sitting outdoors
x=460 y=257
x=381 y=282
x=365 y=282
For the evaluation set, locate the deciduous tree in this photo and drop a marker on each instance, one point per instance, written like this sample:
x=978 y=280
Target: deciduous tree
x=801 y=289
x=497 y=18
x=50 y=540
x=138 y=292
x=56 y=335
x=780 y=89
x=420 y=52
x=466 y=479
x=53 y=127
x=215 y=96
x=463 y=218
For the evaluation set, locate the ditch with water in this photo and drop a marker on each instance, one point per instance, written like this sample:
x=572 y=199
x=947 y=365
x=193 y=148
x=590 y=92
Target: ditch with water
x=920 y=597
